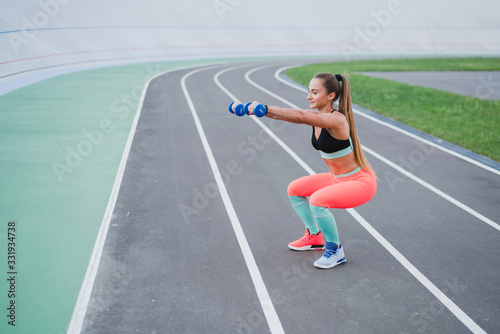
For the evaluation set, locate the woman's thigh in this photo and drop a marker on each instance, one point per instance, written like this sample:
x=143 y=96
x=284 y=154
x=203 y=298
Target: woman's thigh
x=347 y=194
x=307 y=185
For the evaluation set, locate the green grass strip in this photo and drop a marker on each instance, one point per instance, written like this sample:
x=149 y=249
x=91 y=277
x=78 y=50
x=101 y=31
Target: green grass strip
x=466 y=121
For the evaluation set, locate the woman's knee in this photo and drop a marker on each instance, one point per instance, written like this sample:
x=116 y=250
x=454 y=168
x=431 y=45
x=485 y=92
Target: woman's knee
x=291 y=191
x=296 y=188
x=317 y=200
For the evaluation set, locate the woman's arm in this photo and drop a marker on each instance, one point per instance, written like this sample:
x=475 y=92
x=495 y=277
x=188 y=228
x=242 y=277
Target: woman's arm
x=274 y=116
x=309 y=117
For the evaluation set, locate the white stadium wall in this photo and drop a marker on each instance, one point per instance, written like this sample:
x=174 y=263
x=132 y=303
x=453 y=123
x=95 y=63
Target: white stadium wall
x=38 y=37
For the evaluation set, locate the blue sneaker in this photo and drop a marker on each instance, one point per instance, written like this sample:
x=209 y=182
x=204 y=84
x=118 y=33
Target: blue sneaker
x=334 y=255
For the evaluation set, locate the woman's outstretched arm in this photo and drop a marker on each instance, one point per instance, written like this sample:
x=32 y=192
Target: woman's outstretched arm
x=309 y=117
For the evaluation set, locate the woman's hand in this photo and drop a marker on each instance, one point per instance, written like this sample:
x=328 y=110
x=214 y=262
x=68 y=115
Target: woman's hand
x=252 y=107
x=234 y=104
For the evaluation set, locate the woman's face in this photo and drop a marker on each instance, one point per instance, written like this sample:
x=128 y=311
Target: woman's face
x=318 y=96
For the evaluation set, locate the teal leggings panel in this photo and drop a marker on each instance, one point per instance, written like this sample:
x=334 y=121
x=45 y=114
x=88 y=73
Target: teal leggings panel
x=301 y=206
x=324 y=218
x=316 y=218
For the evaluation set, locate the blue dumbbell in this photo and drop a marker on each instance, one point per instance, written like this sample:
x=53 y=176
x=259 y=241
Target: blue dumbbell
x=260 y=110
x=246 y=108
x=238 y=110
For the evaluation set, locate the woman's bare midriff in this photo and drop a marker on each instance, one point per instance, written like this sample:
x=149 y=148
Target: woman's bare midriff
x=342 y=165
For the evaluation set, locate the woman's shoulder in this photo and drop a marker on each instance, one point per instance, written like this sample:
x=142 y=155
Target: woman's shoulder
x=340 y=128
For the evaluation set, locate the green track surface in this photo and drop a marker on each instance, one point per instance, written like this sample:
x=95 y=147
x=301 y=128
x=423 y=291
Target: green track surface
x=61 y=142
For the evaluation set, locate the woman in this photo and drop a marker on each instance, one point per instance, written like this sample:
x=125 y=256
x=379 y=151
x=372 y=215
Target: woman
x=351 y=181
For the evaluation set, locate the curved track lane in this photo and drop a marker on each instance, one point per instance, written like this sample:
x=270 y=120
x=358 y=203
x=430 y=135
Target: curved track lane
x=197 y=242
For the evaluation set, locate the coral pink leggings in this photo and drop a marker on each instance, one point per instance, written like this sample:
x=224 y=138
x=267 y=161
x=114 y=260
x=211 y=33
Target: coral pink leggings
x=328 y=191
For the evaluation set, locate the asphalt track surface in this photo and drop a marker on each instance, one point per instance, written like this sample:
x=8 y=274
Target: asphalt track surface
x=198 y=238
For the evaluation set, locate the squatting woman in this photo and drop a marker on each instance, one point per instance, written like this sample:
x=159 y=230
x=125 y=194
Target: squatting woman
x=350 y=182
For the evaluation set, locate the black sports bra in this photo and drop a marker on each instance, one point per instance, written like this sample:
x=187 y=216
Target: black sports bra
x=328 y=144
x=330 y=147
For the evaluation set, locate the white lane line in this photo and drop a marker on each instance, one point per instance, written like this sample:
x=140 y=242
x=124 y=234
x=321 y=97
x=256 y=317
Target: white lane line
x=433 y=189
x=450 y=305
x=80 y=310
x=393 y=127
x=253 y=83
x=447 y=302
x=388 y=162
x=268 y=131
x=264 y=298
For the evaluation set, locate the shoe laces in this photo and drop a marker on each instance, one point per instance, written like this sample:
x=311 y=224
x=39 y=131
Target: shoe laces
x=329 y=253
x=308 y=236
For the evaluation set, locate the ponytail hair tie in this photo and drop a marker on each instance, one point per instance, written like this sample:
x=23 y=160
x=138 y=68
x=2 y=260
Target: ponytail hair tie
x=339 y=77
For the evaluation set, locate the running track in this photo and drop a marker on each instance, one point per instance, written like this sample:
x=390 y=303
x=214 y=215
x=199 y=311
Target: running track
x=197 y=239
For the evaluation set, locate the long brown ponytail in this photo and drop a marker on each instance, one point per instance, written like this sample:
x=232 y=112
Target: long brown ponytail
x=343 y=94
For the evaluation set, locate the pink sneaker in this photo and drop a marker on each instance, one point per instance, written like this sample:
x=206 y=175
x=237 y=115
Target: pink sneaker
x=308 y=242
